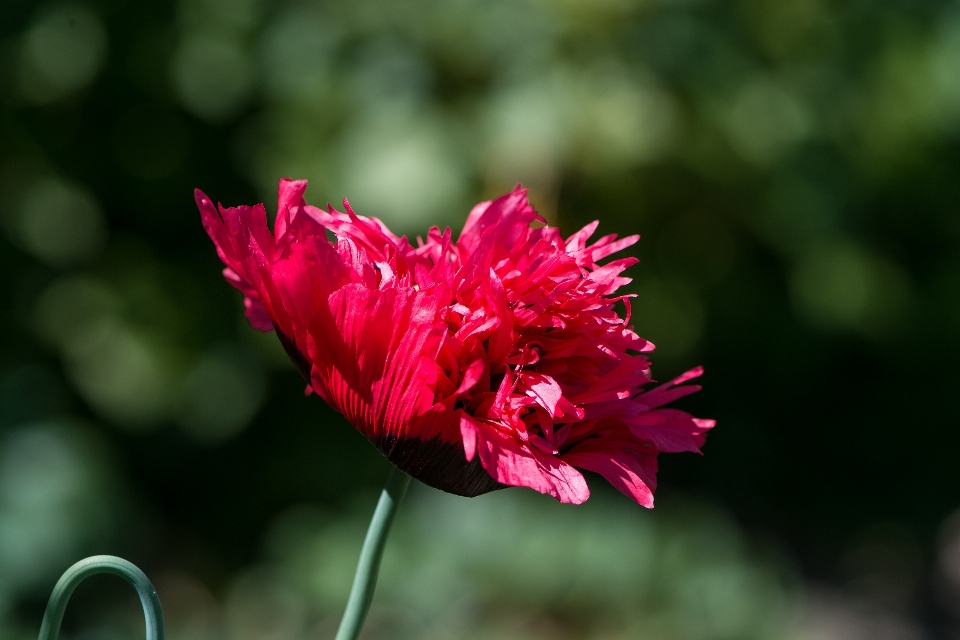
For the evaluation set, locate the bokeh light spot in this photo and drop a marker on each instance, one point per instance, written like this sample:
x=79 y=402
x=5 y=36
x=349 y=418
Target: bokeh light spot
x=60 y=222
x=212 y=76
x=402 y=172
x=221 y=395
x=625 y=121
x=296 y=55
x=63 y=50
x=841 y=285
x=765 y=120
x=122 y=374
x=125 y=374
x=525 y=136
x=52 y=503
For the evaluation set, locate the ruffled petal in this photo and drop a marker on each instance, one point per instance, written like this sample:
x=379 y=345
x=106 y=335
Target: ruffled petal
x=514 y=464
x=256 y=314
x=225 y=233
x=671 y=430
x=670 y=391
x=632 y=472
x=372 y=351
x=499 y=359
x=289 y=205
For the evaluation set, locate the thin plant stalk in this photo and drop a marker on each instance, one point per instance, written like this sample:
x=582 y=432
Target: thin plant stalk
x=53 y=616
x=365 y=580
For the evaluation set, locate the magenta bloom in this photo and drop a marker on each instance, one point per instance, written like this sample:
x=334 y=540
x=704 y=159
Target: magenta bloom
x=496 y=359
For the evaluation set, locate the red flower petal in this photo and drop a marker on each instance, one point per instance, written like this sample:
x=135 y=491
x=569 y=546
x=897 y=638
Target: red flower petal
x=373 y=352
x=635 y=475
x=498 y=359
x=510 y=463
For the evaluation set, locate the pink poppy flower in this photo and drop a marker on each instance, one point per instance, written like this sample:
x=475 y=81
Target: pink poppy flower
x=496 y=359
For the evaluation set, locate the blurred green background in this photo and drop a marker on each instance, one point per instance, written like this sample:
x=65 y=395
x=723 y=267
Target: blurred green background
x=792 y=166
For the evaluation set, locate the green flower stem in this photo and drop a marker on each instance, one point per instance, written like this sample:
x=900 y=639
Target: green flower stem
x=50 y=628
x=365 y=580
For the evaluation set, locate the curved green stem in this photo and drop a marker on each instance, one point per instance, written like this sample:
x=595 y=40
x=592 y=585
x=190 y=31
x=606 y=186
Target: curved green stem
x=365 y=580
x=50 y=628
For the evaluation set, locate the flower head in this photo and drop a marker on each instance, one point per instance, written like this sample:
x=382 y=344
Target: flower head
x=496 y=359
